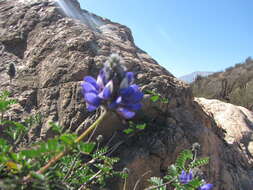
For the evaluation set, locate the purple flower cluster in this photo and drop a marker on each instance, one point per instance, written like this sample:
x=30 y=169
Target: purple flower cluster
x=113 y=88
x=185 y=178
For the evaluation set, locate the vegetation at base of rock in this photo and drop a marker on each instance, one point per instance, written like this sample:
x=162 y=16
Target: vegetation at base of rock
x=134 y=128
x=182 y=175
x=156 y=97
x=88 y=164
x=234 y=85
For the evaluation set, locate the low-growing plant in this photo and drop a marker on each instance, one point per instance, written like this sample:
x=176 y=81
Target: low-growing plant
x=85 y=166
x=156 y=97
x=182 y=174
x=133 y=128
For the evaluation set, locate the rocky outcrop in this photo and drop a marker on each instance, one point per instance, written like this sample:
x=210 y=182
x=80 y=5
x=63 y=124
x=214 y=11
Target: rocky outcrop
x=52 y=53
x=235 y=121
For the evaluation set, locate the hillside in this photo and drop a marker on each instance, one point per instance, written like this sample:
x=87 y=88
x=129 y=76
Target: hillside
x=234 y=85
x=192 y=76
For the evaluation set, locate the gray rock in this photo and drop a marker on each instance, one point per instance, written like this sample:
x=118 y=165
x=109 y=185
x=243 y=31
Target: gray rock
x=52 y=53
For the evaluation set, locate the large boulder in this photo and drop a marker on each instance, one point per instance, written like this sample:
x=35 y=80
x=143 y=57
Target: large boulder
x=54 y=48
x=235 y=121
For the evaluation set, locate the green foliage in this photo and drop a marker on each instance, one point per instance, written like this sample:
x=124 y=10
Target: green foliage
x=134 y=128
x=186 y=161
x=182 y=158
x=155 y=97
x=86 y=164
x=198 y=163
x=234 y=85
x=156 y=181
x=5 y=102
x=193 y=184
x=14 y=129
x=33 y=120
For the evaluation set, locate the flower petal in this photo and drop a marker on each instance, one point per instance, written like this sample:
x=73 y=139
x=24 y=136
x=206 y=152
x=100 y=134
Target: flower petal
x=107 y=91
x=125 y=92
x=136 y=97
x=132 y=93
x=183 y=177
x=115 y=104
x=130 y=77
x=91 y=107
x=88 y=87
x=206 y=187
x=107 y=70
x=118 y=100
x=189 y=176
x=101 y=79
x=135 y=87
x=91 y=80
x=92 y=98
x=126 y=113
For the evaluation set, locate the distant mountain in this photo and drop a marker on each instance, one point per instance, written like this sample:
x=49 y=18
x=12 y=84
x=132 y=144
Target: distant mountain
x=191 y=77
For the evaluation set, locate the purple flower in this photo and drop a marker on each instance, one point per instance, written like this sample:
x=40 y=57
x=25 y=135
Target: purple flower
x=207 y=186
x=96 y=90
x=185 y=177
x=113 y=88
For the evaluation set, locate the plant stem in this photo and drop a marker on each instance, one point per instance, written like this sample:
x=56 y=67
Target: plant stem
x=89 y=180
x=72 y=167
x=61 y=154
x=138 y=181
x=158 y=186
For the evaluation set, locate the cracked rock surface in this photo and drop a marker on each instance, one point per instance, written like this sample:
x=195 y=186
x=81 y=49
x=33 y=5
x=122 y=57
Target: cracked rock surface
x=52 y=53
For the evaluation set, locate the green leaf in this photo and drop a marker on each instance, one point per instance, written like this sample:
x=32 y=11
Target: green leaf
x=30 y=153
x=150 y=92
x=86 y=147
x=172 y=171
x=5 y=101
x=193 y=184
x=141 y=126
x=16 y=156
x=4 y=146
x=100 y=152
x=68 y=139
x=156 y=181
x=128 y=131
x=43 y=147
x=14 y=129
x=56 y=128
x=53 y=145
x=182 y=158
x=154 y=98
x=164 y=100
x=198 y=163
x=4 y=158
x=38 y=176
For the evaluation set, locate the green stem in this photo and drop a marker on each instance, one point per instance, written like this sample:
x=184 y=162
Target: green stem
x=61 y=154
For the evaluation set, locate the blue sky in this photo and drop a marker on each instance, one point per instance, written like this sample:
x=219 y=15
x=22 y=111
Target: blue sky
x=185 y=35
